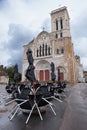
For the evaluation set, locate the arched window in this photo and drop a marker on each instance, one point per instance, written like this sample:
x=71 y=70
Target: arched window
x=49 y=50
x=43 y=50
x=37 y=52
x=40 y=50
x=46 y=50
x=61 y=23
x=56 y=24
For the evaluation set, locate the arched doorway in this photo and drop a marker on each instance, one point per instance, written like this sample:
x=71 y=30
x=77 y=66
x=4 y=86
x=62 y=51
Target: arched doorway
x=60 y=73
x=44 y=75
x=43 y=70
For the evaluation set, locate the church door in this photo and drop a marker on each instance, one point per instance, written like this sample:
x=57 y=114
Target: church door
x=46 y=75
x=61 y=76
x=41 y=75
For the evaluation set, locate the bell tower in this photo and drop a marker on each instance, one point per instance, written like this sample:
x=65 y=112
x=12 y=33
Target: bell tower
x=62 y=44
x=60 y=23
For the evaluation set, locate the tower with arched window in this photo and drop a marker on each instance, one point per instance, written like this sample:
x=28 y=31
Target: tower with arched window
x=60 y=23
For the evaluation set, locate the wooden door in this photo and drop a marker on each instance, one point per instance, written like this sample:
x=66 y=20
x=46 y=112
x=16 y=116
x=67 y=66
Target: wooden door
x=46 y=75
x=61 y=76
x=41 y=75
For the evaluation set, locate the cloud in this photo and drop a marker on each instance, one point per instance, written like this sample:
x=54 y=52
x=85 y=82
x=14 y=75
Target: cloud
x=16 y=58
x=79 y=27
x=21 y=20
x=84 y=61
x=19 y=35
x=3 y=4
x=81 y=46
x=4 y=56
x=47 y=24
x=79 y=37
x=13 y=49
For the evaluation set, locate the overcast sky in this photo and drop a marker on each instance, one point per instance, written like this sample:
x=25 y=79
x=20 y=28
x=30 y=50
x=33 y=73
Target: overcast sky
x=22 y=20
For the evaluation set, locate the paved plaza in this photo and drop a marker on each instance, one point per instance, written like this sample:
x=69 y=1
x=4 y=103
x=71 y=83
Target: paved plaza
x=71 y=113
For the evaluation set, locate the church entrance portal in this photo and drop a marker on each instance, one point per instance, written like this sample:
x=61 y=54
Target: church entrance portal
x=61 y=72
x=44 y=75
x=43 y=70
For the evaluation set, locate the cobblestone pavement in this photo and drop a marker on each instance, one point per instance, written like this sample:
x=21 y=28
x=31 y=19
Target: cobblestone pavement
x=75 y=117
x=50 y=121
x=3 y=98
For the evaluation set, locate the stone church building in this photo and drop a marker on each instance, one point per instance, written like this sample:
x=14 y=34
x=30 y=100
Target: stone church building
x=55 y=47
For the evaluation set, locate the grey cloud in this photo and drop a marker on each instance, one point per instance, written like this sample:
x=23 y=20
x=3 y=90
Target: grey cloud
x=80 y=52
x=16 y=58
x=3 y=4
x=79 y=35
x=19 y=37
x=79 y=28
x=2 y=1
x=47 y=24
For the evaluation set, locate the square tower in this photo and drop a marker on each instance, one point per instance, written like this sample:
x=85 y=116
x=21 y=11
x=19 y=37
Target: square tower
x=60 y=23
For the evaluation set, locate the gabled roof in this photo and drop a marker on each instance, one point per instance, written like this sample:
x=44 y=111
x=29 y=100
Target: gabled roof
x=29 y=43
x=59 y=10
x=41 y=33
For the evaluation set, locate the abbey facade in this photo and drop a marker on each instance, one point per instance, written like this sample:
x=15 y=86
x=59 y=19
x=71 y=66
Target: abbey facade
x=55 y=47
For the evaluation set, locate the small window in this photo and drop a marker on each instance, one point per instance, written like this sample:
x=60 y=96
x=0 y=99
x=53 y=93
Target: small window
x=61 y=23
x=61 y=35
x=62 y=50
x=56 y=35
x=57 y=51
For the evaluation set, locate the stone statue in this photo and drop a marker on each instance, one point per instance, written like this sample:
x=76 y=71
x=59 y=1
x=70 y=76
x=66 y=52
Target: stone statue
x=30 y=70
x=16 y=74
x=53 y=76
x=58 y=74
x=29 y=56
